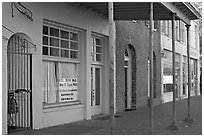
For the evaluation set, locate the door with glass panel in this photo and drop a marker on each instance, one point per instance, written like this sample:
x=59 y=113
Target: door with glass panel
x=96 y=90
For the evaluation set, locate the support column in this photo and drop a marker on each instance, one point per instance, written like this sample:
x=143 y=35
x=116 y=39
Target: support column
x=86 y=61
x=151 y=66
x=173 y=126
x=112 y=67
x=188 y=119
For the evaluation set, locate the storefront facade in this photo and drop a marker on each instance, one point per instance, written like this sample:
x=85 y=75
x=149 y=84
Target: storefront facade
x=61 y=60
x=180 y=61
x=68 y=73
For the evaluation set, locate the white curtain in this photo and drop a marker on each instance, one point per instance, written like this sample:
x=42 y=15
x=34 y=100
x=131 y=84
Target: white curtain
x=50 y=82
x=68 y=70
x=45 y=85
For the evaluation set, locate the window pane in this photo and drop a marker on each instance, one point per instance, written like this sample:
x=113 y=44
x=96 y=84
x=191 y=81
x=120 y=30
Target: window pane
x=64 y=44
x=64 y=34
x=45 y=50
x=98 y=85
x=98 y=41
x=74 y=45
x=45 y=40
x=45 y=30
x=73 y=36
x=98 y=57
x=54 y=52
x=54 y=42
x=65 y=53
x=74 y=54
x=54 y=32
x=98 y=49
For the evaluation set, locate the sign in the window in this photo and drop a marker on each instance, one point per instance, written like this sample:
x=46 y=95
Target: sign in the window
x=67 y=89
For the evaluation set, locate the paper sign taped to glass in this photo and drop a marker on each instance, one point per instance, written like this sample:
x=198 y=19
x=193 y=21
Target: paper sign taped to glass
x=68 y=84
x=67 y=89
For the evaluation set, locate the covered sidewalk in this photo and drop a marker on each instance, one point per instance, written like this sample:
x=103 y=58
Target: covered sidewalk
x=151 y=11
x=133 y=122
x=115 y=11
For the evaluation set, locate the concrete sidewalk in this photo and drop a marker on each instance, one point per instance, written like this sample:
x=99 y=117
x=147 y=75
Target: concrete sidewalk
x=134 y=122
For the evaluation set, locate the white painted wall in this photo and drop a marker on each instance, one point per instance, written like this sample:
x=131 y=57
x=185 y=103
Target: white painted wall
x=65 y=13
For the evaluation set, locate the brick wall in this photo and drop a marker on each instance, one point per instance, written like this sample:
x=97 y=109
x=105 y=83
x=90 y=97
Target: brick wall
x=136 y=35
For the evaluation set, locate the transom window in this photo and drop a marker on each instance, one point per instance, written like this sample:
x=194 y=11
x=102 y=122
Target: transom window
x=59 y=42
x=97 y=49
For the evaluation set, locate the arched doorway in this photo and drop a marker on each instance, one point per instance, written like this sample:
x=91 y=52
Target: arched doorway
x=130 y=77
x=19 y=82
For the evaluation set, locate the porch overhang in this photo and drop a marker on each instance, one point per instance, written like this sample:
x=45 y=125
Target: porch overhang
x=140 y=10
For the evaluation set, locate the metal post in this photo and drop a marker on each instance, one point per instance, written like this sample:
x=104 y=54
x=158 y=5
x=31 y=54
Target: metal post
x=173 y=126
x=31 y=101
x=151 y=66
x=112 y=67
x=188 y=119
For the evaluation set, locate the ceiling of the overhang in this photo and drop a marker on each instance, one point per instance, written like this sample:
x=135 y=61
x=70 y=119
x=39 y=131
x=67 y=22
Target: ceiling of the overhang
x=137 y=10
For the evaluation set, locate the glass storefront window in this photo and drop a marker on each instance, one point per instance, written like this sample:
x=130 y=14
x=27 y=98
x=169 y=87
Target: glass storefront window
x=184 y=75
x=60 y=72
x=60 y=82
x=167 y=72
x=177 y=74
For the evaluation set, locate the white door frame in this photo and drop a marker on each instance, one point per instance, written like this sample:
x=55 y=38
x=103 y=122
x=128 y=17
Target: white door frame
x=95 y=109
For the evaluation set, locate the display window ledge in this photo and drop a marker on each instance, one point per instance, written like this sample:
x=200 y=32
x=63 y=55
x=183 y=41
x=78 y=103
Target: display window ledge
x=60 y=106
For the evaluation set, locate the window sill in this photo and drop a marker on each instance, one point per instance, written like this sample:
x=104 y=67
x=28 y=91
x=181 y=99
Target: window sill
x=54 y=105
x=59 y=59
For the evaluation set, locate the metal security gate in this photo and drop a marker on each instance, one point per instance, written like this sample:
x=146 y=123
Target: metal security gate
x=19 y=84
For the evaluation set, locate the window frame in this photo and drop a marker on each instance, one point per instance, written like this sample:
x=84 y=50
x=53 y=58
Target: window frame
x=102 y=38
x=59 y=59
x=66 y=28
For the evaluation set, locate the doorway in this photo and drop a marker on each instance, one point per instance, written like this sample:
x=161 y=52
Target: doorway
x=128 y=79
x=96 y=82
x=19 y=93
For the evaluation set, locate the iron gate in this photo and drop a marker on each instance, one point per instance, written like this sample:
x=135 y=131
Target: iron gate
x=19 y=83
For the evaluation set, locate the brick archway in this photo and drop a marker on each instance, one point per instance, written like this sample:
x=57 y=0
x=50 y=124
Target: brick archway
x=133 y=65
